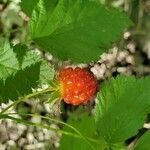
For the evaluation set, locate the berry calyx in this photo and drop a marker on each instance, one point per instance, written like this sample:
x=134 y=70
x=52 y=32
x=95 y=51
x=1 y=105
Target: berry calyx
x=77 y=86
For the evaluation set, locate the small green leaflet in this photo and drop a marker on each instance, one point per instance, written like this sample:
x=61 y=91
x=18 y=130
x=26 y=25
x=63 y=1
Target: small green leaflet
x=28 y=5
x=32 y=72
x=144 y=142
x=71 y=29
x=20 y=84
x=25 y=56
x=8 y=61
x=121 y=107
x=46 y=72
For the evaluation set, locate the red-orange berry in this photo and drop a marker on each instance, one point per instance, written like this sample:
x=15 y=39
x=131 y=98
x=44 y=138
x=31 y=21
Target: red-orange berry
x=77 y=86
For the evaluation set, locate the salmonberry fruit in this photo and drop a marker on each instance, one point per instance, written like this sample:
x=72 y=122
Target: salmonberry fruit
x=77 y=86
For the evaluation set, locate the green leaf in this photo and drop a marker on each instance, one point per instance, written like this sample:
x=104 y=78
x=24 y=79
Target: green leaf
x=32 y=72
x=20 y=51
x=144 y=142
x=28 y=5
x=86 y=125
x=118 y=146
x=72 y=29
x=20 y=84
x=46 y=72
x=25 y=56
x=8 y=61
x=121 y=107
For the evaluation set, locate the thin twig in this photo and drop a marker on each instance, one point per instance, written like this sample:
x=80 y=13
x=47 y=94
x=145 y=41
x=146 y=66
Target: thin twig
x=24 y=98
x=47 y=127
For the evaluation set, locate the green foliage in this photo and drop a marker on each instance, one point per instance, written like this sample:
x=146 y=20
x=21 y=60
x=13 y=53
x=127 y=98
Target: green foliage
x=46 y=72
x=86 y=125
x=80 y=31
x=32 y=72
x=25 y=57
x=20 y=84
x=8 y=61
x=144 y=142
x=73 y=29
x=28 y=6
x=121 y=107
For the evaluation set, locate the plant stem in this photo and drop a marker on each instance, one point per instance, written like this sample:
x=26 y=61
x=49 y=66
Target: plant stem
x=26 y=97
x=140 y=15
x=59 y=131
x=57 y=121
